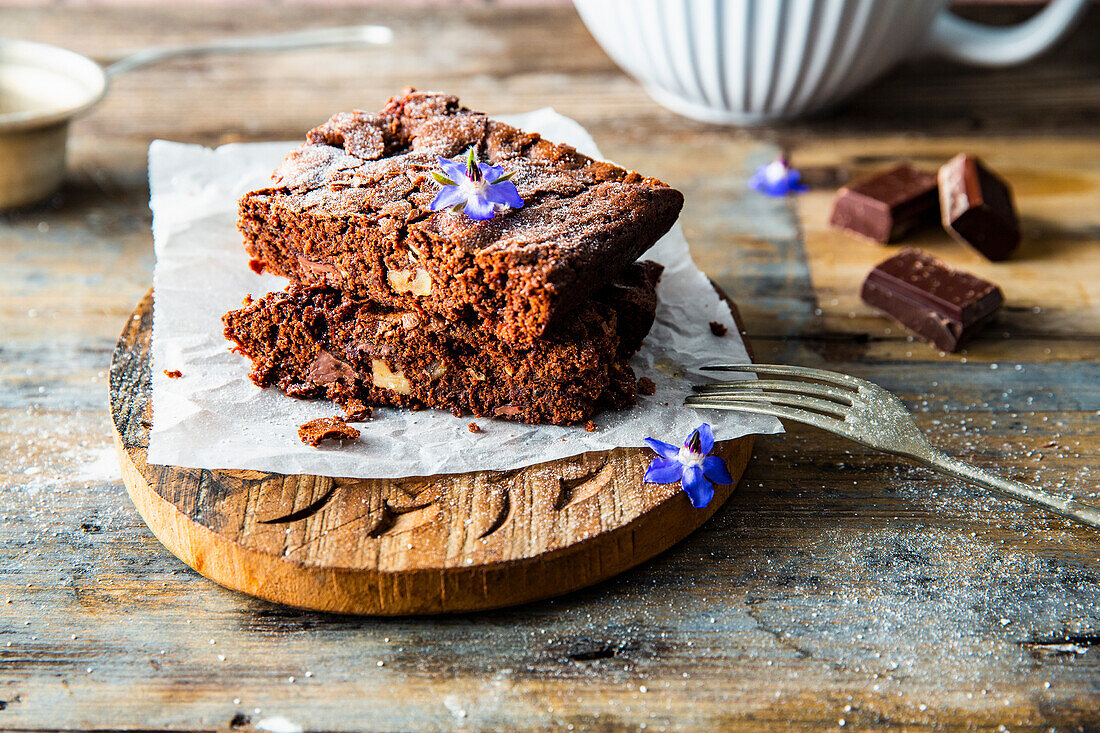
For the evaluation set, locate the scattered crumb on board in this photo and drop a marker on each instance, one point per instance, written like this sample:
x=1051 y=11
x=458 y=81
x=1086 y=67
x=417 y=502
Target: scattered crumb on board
x=173 y=373
x=718 y=329
x=475 y=428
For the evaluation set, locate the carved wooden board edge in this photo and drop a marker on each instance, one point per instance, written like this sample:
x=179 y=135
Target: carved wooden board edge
x=427 y=545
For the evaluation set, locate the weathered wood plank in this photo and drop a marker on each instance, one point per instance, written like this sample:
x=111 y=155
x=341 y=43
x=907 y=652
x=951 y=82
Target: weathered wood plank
x=835 y=584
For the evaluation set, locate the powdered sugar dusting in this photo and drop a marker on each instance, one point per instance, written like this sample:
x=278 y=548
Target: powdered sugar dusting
x=278 y=724
x=97 y=464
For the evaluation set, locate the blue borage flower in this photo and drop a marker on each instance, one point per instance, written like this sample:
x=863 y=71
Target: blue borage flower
x=777 y=179
x=476 y=189
x=692 y=465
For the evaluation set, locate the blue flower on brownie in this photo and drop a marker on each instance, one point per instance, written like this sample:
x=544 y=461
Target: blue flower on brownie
x=691 y=465
x=476 y=189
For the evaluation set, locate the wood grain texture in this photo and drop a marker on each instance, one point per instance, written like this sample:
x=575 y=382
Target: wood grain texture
x=834 y=584
x=423 y=545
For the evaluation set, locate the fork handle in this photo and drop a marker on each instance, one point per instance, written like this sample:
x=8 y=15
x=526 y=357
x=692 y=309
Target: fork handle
x=1068 y=508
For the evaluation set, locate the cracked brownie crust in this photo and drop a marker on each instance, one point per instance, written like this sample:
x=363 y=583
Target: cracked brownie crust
x=315 y=341
x=350 y=210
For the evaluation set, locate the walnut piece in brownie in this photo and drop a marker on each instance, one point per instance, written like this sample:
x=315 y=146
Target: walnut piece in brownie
x=350 y=209
x=718 y=329
x=326 y=428
x=313 y=342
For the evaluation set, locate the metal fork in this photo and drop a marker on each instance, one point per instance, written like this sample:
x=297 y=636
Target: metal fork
x=866 y=413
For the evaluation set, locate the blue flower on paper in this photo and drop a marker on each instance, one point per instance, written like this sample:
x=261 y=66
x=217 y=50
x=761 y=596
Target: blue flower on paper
x=691 y=465
x=476 y=189
x=777 y=179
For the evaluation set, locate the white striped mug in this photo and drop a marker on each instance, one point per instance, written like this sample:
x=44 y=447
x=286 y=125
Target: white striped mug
x=754 y=61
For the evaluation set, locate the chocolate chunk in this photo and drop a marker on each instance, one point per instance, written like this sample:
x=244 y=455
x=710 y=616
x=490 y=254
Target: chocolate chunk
x=327 y=369
x=930 y=298
x=977 y=209
x=326 y=428
x=887 y=205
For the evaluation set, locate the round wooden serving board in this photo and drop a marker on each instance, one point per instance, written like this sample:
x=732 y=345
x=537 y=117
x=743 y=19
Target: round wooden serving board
x=458 y=542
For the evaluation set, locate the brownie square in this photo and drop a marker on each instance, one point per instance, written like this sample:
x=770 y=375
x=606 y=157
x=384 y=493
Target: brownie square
x=350 y=210
x=315 y=341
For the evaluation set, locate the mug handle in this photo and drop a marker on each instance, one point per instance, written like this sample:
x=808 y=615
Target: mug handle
x=981 y=45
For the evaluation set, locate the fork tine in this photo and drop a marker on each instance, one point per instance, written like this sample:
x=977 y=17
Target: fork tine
x=836 y=378
x=737 y=387
x=788 y=413
x=833 y=409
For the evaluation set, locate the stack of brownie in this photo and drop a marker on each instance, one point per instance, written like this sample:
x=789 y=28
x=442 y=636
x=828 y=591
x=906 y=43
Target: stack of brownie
x=530 y=316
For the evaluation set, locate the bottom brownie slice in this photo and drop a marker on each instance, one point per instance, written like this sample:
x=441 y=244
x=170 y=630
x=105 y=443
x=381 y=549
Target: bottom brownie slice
x=319 y=342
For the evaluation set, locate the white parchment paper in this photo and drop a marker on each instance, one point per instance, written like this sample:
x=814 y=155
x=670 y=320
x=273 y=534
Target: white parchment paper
x=214 y=417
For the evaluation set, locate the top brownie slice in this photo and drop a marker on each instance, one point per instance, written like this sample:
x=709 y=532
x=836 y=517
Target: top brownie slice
x=350 y=209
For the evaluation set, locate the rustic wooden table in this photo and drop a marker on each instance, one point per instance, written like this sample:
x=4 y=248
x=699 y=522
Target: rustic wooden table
x=837 y=588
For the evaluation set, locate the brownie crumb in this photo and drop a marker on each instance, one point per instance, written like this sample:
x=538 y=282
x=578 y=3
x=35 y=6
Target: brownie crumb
x=173 y=374
x=355 y=410
x=475 y=428
x=257 y=266
x=646 y=386
x=457 y=411
x=326 y=428
x=590 y=427
x=718 y=329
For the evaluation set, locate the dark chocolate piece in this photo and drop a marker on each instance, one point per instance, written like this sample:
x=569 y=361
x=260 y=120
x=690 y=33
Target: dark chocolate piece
x=977 y=209
x=930 y=298
x=887 y=205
